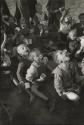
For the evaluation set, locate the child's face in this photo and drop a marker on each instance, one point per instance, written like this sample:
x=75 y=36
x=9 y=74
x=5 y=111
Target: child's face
x=72 y=34
x=63 y=57
x=23 y=50
x=38 y=57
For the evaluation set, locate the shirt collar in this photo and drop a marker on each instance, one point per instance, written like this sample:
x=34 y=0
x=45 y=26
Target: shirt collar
x=62 y=68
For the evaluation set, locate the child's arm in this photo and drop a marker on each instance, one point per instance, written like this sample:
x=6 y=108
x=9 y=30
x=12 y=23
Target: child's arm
x=42 y=78
x=20 y=72
x=58 y=81
x=58 y=84
x=4 y=43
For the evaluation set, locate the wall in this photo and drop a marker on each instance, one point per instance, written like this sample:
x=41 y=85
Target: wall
x=77 y=7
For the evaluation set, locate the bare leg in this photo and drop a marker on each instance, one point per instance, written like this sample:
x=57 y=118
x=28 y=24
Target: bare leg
x=31 y=95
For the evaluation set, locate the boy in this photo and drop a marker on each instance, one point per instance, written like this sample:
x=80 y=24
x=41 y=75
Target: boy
x=73 y=42
x=65 y=25
x=80 y=26
x=35 y=73
x=76 y=44
x=66 y=78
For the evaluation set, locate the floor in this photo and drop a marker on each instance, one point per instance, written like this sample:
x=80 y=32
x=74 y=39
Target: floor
x=15 y=108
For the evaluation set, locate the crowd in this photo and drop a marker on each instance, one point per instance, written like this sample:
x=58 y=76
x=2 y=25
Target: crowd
x=44 y=48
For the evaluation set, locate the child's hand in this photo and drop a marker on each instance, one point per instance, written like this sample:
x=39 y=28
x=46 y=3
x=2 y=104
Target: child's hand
x=39 y=80
x=43 y=76
x=27 y=85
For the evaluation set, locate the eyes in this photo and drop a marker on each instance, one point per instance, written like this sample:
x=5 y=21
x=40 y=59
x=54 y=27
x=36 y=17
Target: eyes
x=64 y=52
x=23 y=48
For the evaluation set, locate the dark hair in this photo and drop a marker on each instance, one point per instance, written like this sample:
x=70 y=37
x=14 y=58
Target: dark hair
x=81 y=16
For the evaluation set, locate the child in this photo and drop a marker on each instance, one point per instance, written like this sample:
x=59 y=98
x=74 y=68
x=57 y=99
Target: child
x=35 y=73
x=80 y=25
x=76 y=44
x=66 y=77
x=73 y=42
x=65 y=24
x=22 y=53
x=81 y=18
x=81 y=49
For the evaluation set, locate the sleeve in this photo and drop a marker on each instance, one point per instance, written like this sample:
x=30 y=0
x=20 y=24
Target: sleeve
x=58 y=83
x=20 y=72
x=30 y=73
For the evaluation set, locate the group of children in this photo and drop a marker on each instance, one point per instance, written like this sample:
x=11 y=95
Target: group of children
x=33 y=56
